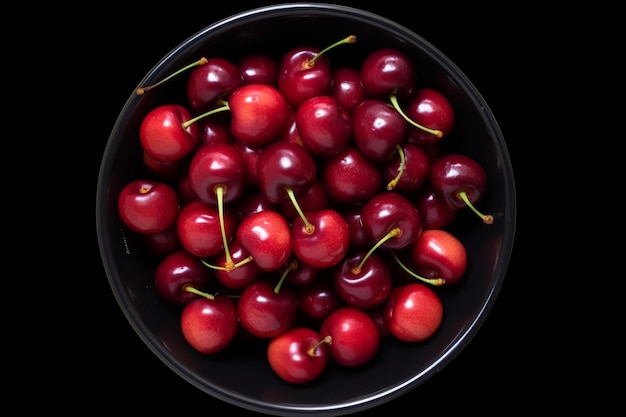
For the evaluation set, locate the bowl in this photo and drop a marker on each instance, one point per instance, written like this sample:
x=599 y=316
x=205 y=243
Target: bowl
x=398 y=367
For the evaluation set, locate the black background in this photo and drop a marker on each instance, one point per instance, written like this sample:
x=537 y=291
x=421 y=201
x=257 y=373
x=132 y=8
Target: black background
x=514 y=363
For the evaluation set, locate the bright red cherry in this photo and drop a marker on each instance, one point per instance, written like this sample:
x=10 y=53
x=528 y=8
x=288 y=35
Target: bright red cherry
x=179 y=272
x=165 y=135
x=148 y=206
x=209 y=324
x=429 y=108
x=413 y=312
x=298 y=355
x=216 y=79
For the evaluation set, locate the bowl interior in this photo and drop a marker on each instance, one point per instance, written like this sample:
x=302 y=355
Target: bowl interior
x=398 y=367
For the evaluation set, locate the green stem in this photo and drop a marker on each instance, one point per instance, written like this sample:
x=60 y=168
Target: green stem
x=487 y=218
x=392 y=233
x=308 y=227
x=437 y=282
x=201 y=61
x=396 y=105
x=392 y=184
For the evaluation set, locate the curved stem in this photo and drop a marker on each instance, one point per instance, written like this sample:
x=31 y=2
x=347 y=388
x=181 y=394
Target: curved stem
x=225 y=107
x=196 y=291
x=327 y=340
x=308 y=227
x=437 y=282
x=487 y=218
x=201 y=61
x=392 y=233
x=311 y=62
x=396 y=105
x=219 y=190
x=392 y=184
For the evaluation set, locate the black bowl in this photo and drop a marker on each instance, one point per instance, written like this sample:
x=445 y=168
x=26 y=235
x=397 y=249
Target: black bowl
x=241 y=375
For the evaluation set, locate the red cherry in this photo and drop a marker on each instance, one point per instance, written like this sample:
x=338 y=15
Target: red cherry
x=354 y=336
x=199 y=228
x=350 y=178
x=439 y=254
x=363 y=286
x=388 y=72
x=258 y=68
x=259 y=114
x=378 y=129
x=324 y=127
x=177 y=273
x=209 y=325
x=265 y=310
x=347 y=88
x=318 y=299
x=434 y=212
x=298 y=355
x=148 y=206
x=266 y=235
x=208 y=83
x=164 y=135
x=323 y=240
x=239 y=275
x=408 y=170
x=413 y=312
x=429 y=108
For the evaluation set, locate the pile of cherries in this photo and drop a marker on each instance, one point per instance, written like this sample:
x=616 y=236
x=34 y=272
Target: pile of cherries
x=302 y=204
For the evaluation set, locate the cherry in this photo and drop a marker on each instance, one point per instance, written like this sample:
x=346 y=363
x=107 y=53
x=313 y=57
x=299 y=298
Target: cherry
x=285 y=171
x=354 y=337
x=324 y=127
x=358 y=236
x=304 y=72
x=265 y=310
x=164 y=242
x=210 y=82
x=391 y=220
x=250 y=156
x=238 y=274
x=363 y=286
x=319 y=298
x=387 y=72
x=298 y=355
x=215 y=130
x=258 y=68
x=299 y=273
x=148 y=206
x=165 y=135
x=460 y=181
x=314 y=199
x=434 y=212
x=321 y=238
x=252 y=201
x=350 y=178
x=378 y=129
x=177 y=273
x=200 y=230
x=347 y=88
x=210 y=323
x=266 y=235
x=413 y=312
x=168 y=171
x=408 y=170
x=429 y=108
x=438 y=254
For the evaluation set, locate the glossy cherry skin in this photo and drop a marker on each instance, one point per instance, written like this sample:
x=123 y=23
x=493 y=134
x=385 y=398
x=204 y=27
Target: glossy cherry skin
x=389 y=210
x=318 y=299
x=327 y=244
x=250 y=156
x=453 y=173
x=367 y=288
x=258 y=68
x=431 y=109
x=148 y=206
x=355 y=337
x=347 y=88
x=265 y=312
x=284 y=165
x=163 y=243
x=259 y=114
x=178 y=271
x=210 y=325
x=378 y=129
x=215 y=129
x=209 y=82
x=314 y=199
x=239 y=277
x=438 y=253
x=358 y=236
x=386 y=72
x=350 y=178
x=300 y=273
x=217 y=165
x=413 y=174
x=198 y=226
x=324 y=127
x=413 y=312
x=434 y=211
x=163 y=136
x=298 y=81
x=296 y=355
x=266 y=235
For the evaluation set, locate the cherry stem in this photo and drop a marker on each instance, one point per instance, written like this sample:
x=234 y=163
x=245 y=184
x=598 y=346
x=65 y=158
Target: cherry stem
x=392 y=184
x=224 y=268
x=396 y=105
x=437 y=282
x=487 y=218
x=229 y=265
x=201 y=61
x=392 y=233
x=327 y=340
x=189 y=288
x=311 y=62
x=308 y=227
x=290 y=267
x=224 y=107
